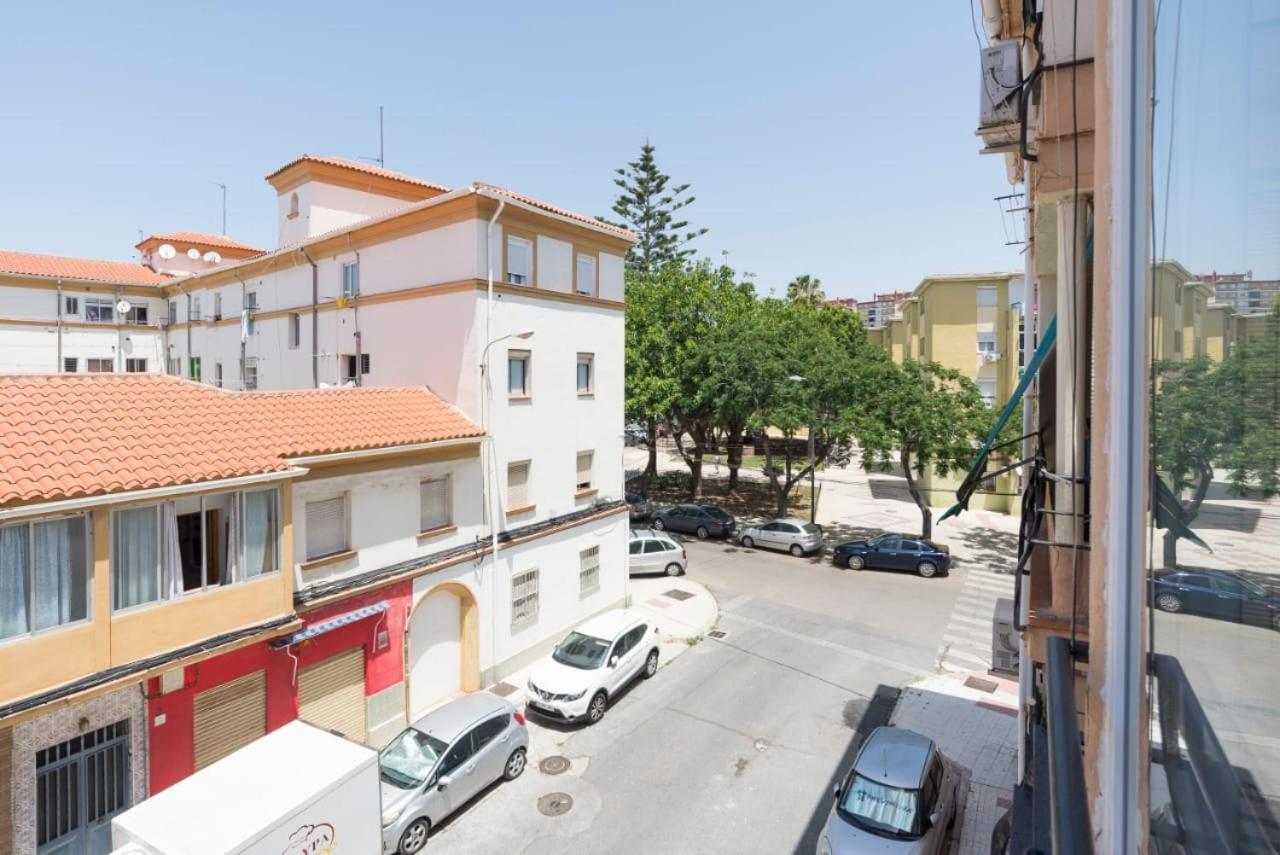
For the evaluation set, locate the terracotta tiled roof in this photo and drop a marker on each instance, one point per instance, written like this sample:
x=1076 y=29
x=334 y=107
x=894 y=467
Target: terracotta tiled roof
x=220 y=241
x=545 y=206
x=66 y=436
x=357 y=166
x=88 y=269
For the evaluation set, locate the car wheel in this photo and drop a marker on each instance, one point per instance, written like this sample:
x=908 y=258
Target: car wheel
x=414 y=837
x=855 y=562
x=515 y=765
x=651 y=664
x=748 y=543
x=674 y=569
x=595 y=712
x=1169 y=603
x=702 y=532
x=797 y=550
x=927 y=569
x=659 y=524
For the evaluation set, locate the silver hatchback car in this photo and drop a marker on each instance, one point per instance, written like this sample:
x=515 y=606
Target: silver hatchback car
x=795 y=536
x=442 y=761
x=901 y=795
x=655 y=552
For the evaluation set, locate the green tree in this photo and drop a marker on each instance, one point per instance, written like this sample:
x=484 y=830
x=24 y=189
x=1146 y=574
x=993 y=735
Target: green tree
x=805 y=289
x=922 y=416
x=648 y=206
x=651 y=385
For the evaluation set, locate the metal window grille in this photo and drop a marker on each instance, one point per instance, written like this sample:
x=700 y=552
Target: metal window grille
x=69 y=363
x=524 y=599
x=588 y=572
x=81 y=783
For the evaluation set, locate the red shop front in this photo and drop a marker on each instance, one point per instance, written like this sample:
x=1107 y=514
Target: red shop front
x=346 y=653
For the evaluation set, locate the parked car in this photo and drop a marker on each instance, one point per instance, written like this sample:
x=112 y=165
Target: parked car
x=442 y=760
x=592 y=665
x=654 y=552
x=795 y=536
x=697 y=519
x=1216 y=593
x=894 y=552
x=635 y=434
x=641 y=508
x=901 y=795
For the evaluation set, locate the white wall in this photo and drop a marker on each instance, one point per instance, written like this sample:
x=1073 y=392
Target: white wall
x=555 y=265
x=325 y=207
x=612 y=282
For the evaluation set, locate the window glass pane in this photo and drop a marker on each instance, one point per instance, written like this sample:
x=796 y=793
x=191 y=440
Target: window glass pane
x=135 y=565
x=584 y=376
x=60 y=559
x=516 y=372
x=586 y=275
x=260 y=527
x=15 y=579
x=519 y=261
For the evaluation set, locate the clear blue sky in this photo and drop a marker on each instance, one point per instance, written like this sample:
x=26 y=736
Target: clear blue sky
x=829 y=138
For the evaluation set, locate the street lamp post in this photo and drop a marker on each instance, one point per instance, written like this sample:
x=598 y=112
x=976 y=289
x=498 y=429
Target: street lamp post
x=491 y=481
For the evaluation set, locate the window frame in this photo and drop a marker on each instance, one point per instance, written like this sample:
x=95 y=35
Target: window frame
x=73 y=362
x=345 y=497
x=249 y=362
x=104 y=310
x=71 y=305
x=349 y=284
x=527 y=594
x=295 y=330
x=588 y=485
x=131 y=363
x=529 y=242
x=594 y=262
x=447 y=479
x=517 y=507
x=991 y=338
x=526 y=357
x=217 y=375
x=30 y=525
x=90 y=361
x=589 y=360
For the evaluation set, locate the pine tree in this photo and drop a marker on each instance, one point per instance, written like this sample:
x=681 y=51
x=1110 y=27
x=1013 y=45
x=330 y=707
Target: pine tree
x=648 y=207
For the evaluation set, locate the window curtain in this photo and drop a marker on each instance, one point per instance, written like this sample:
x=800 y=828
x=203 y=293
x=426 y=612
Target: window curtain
x=59 y=572
x=259 y=533
x=137 y=556
x=233 y=542
x=171 y=555
x=13 y=580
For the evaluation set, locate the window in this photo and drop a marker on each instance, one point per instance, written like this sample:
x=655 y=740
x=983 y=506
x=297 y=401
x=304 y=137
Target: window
x=364 y=363
x=193 y=367
x=519 y=261
x=588 y=572
x=436 y=506
x=69 y=364
x=99 y=309
x=350 y=280
x=195 y=309
x=349 y=377
x=326 y=527
x=518 y=373
x=988 y=295
x=584 y=470
x=250 y=367
x=293 y=205
x=135 y=365
x=44 y=574
x=97 y=366
x=217 y=374
x=175 y=366
x=71 y=305
x=460 y=753
x=654 y=546
x=586 y=373
x=139 y=313
x=587 y=275
x=987 y=342
x=173 y=311
x=295 y=330
x=517 y=485
x=80 y=784
x=988 y=390
x=524 y=600
x=1177 y=341
x=217 y=306
x=251 y=300
x=488 y=731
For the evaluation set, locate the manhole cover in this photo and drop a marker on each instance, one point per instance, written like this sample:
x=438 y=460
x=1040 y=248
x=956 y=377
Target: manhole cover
x=677 y=594
x=555 y=804
x=717 y=633
x=553 y=765
x=981 y=685
x=503 y=689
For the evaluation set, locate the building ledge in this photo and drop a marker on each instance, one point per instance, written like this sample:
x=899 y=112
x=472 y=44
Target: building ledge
x=527 y=508
x=327 y=559
x=586 y=492
x=438 y=531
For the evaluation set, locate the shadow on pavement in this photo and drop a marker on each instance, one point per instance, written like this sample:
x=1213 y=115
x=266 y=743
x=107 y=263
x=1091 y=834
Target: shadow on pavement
x=995 y=550
x=863 y=716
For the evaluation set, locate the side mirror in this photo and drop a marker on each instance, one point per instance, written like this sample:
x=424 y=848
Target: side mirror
x=443 y=782
x=835 y=790
x=935 y=818
x=613 y=662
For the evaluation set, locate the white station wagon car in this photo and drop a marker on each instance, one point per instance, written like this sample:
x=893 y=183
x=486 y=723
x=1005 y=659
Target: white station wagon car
x=656 y=552
x=592 y=664
x=795 y=536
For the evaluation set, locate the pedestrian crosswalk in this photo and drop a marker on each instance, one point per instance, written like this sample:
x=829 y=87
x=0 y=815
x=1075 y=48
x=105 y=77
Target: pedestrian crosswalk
x=966 y=641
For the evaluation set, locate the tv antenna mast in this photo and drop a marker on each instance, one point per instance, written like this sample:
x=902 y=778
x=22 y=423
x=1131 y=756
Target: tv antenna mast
x=381 y=159
x=224 y=205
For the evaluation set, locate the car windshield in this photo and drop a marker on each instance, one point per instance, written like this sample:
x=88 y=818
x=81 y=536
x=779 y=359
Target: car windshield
x=811 y=528
x=408 y=759
x=581 y=651
x=876 y=541
x=714 y=511
x=880 y=808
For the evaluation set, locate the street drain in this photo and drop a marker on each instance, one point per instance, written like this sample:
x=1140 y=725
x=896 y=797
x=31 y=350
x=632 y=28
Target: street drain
x=717 y=633
x=503 y=689
x=981 y=685
x=677 y=594
x=553 y=765
x=555 y=804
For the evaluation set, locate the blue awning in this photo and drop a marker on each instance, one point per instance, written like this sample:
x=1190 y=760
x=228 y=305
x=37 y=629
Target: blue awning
x=978 y=470
x=330 y=625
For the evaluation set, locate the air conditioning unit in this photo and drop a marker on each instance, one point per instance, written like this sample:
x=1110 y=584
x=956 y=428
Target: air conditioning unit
x=998 y=119
x=1004 y=638
x=989 y=356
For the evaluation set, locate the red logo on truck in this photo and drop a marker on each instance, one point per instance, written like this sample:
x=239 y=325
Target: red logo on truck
x=315 y=839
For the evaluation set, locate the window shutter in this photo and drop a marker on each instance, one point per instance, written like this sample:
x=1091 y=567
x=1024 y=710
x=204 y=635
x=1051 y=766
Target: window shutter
x=326 y=527
x=435 y=504
x=584 y=469
x=517 y=484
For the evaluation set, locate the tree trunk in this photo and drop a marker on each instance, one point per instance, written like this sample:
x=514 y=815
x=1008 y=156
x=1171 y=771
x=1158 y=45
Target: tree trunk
x=694 y=460
x=1190 y=510
x=926 y=513
x=651 y=468
x=733 y=457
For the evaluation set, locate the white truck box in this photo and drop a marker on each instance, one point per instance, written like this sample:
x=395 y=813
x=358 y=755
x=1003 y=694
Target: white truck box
x=299 y=790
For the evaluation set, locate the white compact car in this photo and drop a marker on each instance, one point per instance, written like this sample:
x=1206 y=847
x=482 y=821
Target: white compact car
x=592 y=664
x=655 y=552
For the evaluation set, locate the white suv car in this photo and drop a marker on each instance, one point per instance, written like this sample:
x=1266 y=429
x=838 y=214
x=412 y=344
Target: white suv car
x=592 y=664
x=656 y=552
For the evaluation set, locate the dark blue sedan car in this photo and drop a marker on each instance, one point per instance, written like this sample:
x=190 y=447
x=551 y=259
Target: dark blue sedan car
x=1216 y=593
x=894 y=552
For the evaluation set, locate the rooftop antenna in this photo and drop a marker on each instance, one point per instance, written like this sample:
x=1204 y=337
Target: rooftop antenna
x=381 y=159
x=224 y=205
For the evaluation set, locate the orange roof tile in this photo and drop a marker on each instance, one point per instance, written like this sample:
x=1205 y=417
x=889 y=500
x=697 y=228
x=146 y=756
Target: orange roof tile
x=357 y=166
x=91 y=270
x=66 y=436
x=546 y=206
x=219 y=241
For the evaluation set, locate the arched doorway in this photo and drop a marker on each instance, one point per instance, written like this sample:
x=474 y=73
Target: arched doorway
x=444 y=647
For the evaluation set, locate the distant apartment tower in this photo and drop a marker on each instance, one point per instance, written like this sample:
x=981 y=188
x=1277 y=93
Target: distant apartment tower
x=1240 y=291
x=876 y=311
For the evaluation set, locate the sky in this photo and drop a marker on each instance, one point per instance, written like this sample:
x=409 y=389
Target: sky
x=828 y=138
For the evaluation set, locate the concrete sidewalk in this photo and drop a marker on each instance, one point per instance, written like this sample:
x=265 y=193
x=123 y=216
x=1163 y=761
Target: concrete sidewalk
x=973 y=718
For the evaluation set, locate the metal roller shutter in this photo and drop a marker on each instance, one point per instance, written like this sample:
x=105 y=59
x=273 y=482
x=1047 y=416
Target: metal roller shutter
x=331 y=694
x=230 y=717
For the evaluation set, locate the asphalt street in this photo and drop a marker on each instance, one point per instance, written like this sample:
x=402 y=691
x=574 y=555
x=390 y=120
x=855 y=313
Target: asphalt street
x=734 y=747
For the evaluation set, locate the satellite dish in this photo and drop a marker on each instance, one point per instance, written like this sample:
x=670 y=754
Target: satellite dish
x=167 y=251
x=193 y=253
x=212 y=257
x=123 y=307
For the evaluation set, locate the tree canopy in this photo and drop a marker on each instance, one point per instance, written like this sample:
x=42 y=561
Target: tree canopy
x=648 y=205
